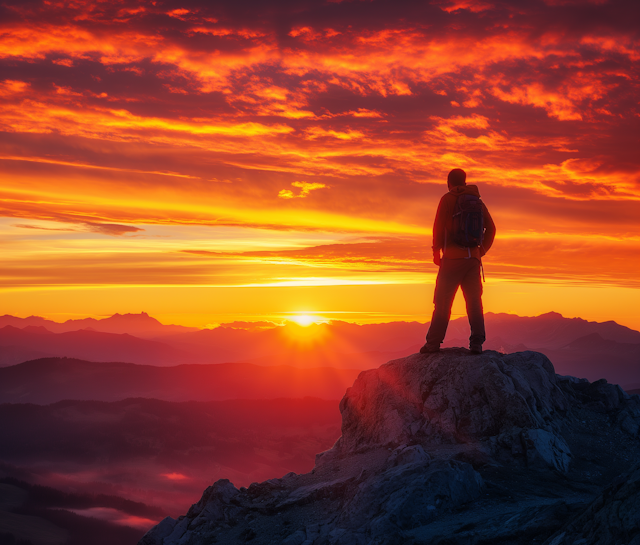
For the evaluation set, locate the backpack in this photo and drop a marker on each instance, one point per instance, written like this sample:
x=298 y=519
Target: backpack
x=468 y=221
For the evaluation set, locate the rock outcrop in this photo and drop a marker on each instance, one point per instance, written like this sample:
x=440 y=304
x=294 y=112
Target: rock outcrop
x=503 y=405
x=614 y=516
x=444 y=448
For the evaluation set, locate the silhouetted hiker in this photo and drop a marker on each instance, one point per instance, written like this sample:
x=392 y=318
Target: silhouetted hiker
x=464 y=231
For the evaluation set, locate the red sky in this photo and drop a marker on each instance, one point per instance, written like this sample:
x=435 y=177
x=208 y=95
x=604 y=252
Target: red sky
x=203 y=161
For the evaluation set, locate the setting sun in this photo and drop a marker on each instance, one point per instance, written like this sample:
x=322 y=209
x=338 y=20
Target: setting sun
x=305 y=320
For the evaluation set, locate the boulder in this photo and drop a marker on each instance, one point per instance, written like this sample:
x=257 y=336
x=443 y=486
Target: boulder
x=454 y=398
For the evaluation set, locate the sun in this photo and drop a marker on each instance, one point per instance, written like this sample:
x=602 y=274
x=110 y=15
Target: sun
x=305 y=320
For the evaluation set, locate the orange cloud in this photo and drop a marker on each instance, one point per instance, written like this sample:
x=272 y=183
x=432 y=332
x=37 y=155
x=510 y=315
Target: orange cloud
x=118 y=119
x=305 y=187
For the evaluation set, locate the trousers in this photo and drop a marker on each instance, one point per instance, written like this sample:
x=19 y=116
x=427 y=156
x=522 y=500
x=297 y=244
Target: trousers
x=455 y=273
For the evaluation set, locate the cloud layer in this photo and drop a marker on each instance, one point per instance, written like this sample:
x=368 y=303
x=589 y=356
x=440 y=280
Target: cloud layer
x=118 y=119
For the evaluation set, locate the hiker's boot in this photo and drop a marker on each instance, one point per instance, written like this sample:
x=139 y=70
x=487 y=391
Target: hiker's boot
x=475 y=348
x=430 y=349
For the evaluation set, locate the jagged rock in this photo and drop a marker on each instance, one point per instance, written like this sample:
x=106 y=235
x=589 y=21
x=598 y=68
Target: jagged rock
x=613 y=518
x=548 y=448
x=446 y=448
x=398 y=491
x=453 y=398
x=600 y=395
x=407 y=496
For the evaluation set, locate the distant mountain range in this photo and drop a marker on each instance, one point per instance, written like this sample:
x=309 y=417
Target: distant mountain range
x=578 y=347
x=140 y=325
x=49 y=380
x=547 y=331
x=339 y=344
x=37 y=341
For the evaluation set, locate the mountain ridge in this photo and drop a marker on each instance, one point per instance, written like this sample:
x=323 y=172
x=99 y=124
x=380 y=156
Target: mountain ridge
x=141 y=324
x=126 y=323
x=85 y=344
x=30 y=382
x=571 y=343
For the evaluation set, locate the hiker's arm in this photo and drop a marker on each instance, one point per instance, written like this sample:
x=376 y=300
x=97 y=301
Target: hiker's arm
x=489 y=233
x=439 y=225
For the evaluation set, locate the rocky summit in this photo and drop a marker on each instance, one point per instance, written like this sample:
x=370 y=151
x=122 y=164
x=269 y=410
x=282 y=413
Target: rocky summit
x=448 y=448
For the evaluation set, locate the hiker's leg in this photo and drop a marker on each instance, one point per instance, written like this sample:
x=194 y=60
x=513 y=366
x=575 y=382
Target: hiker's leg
x=472 y=290
x=447 y=284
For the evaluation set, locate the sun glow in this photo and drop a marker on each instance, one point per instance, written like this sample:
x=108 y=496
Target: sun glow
x=305 y=330
x=305 y=320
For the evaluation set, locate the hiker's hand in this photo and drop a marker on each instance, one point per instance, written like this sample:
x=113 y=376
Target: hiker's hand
x=436 y=258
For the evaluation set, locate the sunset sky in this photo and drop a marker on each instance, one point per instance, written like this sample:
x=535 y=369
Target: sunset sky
x=217 y=161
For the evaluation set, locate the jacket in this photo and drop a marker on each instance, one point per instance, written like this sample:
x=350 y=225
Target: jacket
x=443 y=226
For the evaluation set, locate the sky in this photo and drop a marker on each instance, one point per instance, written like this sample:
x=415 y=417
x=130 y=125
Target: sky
x=217 y=161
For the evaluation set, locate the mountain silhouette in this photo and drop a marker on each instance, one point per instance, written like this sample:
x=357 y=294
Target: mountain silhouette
x=577 y=347
x=547 y=331
x=86 y=344
x=49 y=380
x=139 y=325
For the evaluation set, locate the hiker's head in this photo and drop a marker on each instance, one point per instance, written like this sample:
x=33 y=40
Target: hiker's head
x=456 y=177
